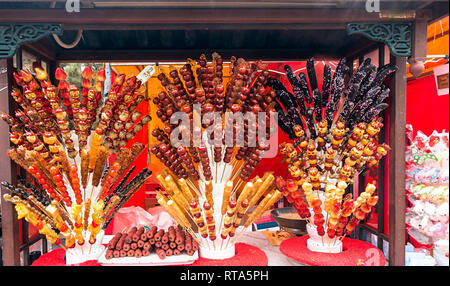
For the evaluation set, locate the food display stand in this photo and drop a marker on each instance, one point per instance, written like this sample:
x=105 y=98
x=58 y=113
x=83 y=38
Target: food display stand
x=148 y=32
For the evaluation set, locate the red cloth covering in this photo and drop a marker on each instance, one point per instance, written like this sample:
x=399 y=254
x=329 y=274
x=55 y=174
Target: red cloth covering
x=356 y=253
x=246 y=255
x=56 y=258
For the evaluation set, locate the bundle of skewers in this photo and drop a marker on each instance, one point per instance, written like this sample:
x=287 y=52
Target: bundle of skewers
x=335 y=138
x=207 y=185
x=73 y=187
x=218 y=212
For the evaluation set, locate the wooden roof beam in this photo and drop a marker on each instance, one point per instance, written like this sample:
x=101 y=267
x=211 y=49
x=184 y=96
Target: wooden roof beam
x=201 y=16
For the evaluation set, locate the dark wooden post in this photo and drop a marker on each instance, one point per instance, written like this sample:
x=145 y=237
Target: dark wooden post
x=397 y=131
x=10 y=224
x=381 y=167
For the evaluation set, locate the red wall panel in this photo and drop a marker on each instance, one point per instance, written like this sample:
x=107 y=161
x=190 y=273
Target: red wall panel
x=425 y=110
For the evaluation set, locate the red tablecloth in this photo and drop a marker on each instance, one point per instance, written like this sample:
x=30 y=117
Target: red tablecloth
x=56 y=258
x=246 y=255
x=355 y=252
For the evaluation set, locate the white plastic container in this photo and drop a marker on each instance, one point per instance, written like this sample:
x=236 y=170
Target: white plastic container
x=319 y=243
x=87 y=251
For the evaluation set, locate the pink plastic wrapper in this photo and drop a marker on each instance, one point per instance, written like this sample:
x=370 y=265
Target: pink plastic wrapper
x=128 y=217
x=162 y=218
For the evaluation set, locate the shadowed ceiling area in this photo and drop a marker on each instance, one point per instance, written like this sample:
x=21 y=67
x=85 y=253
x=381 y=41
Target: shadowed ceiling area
x=276 y=43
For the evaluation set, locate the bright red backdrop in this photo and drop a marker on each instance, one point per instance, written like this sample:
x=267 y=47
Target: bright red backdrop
x=425 y=110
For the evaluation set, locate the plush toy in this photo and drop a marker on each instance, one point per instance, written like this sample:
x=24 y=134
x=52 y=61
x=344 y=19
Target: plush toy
x=419 y=207
x=442 y=213
x=427 y=182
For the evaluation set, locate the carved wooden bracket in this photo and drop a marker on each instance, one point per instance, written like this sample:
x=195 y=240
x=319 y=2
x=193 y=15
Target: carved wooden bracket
x=13 y=35
x=398 y=35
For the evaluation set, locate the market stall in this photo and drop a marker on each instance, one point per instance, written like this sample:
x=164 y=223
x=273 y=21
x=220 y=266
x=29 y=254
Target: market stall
x=290 y=32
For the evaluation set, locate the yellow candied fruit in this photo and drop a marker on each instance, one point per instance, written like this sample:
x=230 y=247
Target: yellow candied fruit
x=79 y=236
x=98 y=206
x=340 y=192
x=342 y=185
x=365 y=195
x=22 y=210
x=370 y=188
x=70 y=241
x=51 y=239
x=307 y=187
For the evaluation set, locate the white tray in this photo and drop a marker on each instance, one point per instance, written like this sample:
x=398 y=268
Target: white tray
x=151 y=260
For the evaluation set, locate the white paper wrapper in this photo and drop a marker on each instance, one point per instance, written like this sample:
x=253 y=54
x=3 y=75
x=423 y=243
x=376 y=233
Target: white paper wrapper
x=319 y=243
x=314 y=242
x=221 y=172
x=219 y=249
x=218 y=254
x=87 y=251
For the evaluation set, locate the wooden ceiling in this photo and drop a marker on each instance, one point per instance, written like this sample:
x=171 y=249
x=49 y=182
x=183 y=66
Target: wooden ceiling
x=171 y=30
x=217 y=4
